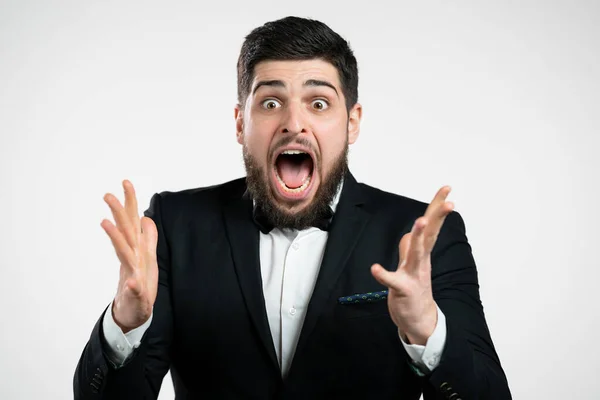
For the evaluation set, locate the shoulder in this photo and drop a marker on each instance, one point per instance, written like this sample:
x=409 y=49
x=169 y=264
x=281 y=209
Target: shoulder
x=396 y=207
x=211 y=193
x=204 y=200
x=381 y=201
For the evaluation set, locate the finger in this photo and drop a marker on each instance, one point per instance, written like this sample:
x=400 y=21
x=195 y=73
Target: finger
x=435 y=225
x=150 y=236
x=439 y=199
x=437 y=212
x=416 y=251
x=120 y=216
x=119 y=243
x=385 y=277
x=404 y=246
x=131 y=206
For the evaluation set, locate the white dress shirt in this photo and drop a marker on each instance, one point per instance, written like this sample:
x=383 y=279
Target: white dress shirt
x=289 y=263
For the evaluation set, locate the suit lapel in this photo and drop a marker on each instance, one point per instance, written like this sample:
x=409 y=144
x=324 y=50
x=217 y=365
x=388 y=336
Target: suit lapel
x=244 y=239
x=348 y=223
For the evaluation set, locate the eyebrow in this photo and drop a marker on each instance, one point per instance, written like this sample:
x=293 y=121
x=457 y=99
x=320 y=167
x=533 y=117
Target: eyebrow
x=310 y=82
x=316 y=82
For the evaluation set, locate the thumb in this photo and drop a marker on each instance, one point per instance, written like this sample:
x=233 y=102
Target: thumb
x=150 y=234
x=383 y=276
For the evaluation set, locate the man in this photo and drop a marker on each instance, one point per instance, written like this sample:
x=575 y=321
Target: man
x=295 y=282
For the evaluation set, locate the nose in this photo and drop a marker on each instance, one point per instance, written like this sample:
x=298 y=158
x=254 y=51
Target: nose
x=293 y=121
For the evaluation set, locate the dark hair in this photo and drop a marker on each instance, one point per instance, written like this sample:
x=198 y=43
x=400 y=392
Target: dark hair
x=294 y=38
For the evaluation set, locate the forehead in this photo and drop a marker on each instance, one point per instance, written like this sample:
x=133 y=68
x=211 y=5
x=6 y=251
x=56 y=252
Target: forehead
x=296 y=71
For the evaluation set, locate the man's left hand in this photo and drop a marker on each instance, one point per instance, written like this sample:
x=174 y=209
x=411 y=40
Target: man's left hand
x=410 y=298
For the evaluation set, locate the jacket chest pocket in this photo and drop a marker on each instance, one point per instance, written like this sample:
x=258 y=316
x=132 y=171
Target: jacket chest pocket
x=370 y=309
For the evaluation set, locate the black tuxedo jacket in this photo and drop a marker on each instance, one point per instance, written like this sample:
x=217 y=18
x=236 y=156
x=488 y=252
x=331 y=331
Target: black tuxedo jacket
x=211 y=330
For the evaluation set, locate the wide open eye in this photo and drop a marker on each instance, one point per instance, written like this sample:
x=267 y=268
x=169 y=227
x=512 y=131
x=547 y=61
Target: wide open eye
x=271 y=104
x=319 y=105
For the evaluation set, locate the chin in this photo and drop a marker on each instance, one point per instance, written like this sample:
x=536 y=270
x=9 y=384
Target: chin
x=292 y=204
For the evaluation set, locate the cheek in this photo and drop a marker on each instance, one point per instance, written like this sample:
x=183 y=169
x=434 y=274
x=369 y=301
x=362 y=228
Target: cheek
x=257 y=137
x=332 y=136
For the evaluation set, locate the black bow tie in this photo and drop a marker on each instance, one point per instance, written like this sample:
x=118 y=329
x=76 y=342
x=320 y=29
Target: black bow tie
x=264 y=224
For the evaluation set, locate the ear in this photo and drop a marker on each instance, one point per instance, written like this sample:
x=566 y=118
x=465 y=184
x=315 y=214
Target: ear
x=354 y=118
x=238 y=114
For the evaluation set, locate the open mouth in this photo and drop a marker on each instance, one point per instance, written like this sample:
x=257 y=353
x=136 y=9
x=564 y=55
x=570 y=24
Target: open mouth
x=294 y=170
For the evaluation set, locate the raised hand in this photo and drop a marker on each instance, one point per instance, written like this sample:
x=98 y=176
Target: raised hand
x=135 y=241
x=410 y=298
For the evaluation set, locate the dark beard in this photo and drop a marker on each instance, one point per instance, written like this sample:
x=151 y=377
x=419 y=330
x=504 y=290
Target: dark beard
x=259 y=190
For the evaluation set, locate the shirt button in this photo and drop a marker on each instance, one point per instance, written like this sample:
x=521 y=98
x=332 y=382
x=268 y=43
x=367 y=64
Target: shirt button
x=292 y=311
x=119 y=347
x=295 y=246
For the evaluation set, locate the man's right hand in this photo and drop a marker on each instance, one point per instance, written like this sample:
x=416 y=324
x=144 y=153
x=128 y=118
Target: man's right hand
x=135 y=241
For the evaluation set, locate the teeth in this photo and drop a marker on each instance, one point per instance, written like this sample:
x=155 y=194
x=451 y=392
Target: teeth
x=298 y=189
x=293 y=152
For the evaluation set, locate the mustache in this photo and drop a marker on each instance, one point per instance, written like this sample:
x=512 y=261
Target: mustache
x=284 y=141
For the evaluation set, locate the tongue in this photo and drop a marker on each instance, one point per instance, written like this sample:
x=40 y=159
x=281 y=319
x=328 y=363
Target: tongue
x=292 y=173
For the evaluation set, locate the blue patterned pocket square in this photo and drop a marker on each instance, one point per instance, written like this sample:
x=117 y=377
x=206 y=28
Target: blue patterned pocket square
x=370 y=297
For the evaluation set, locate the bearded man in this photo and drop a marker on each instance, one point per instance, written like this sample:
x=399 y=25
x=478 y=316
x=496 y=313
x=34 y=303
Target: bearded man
x=295 y=282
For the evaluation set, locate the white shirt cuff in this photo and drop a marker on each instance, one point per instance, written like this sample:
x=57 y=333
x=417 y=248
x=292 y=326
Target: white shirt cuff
x=427 y=357
x=121 y=345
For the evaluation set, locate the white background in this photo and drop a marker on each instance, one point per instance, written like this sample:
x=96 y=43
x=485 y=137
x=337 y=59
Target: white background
x=498 y=99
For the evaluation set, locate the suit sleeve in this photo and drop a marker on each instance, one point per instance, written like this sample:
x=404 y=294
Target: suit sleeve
x=469 y=367
x=96 y=377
